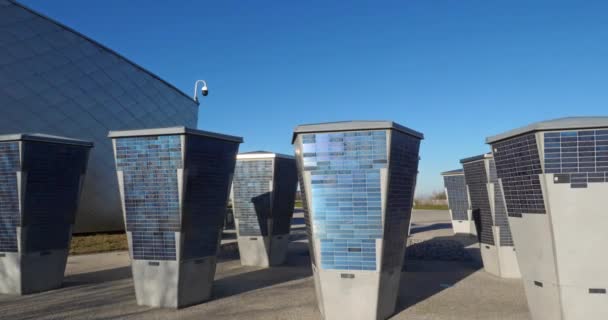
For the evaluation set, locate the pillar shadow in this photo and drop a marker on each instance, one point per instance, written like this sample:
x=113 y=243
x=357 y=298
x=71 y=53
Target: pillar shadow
x=431 y=227
x=97 y=277
x=432 y=266
x=296 y=267
x=80 y=296
x=424 y=279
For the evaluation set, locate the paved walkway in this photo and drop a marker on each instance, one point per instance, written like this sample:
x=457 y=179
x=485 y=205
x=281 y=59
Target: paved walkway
x=99 y=286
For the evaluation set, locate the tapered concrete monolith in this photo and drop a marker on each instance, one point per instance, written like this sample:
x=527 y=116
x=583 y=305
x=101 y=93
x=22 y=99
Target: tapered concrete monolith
x=174 y=185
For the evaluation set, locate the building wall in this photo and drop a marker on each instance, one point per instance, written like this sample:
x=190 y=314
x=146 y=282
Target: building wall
x=54 y=80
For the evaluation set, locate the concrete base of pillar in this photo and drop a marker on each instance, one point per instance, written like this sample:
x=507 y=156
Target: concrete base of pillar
x=509 y=268
x=543 y=300
x=464 y=226
x=388 y=293
x=348 y=294
x=173 y=284
x=263 y=251
x=489 y=256
x=32 y=272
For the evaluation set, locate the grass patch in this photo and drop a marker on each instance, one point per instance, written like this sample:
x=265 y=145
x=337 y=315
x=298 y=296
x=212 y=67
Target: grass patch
x=431 y=207
x=99 y=242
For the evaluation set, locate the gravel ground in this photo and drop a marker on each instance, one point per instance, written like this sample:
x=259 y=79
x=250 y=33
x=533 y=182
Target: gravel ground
x=443 y=280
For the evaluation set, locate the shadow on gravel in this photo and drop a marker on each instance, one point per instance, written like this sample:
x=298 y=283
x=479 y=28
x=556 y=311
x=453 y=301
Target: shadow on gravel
x=431 y=227
x=424 y=279
x=73 y=301
x=435 y=265
x=97 y=276
x=296 y=267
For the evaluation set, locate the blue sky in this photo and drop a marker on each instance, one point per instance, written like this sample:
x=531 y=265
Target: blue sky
x=457 y=71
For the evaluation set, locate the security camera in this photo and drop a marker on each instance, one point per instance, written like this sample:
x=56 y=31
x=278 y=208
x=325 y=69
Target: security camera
x=204 y=89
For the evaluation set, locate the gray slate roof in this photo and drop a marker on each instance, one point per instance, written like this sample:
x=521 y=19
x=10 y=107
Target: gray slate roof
x=476 y=158
x=453 y=172
x=555 y=124
x=40 y=137
x=171 y=131
x=353 y=126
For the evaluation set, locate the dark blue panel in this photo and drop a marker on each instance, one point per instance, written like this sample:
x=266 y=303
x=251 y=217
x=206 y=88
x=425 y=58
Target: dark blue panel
x=457 y=196
x=346 y=198
x=403 y=170
x=283 y=195
x=149 y=166
x=476 y=177
x=52 y=191
x=582 y=155
x=518 y=166
x=209 y=169
x=153 y=245
x=252 y=195
x=9 y=196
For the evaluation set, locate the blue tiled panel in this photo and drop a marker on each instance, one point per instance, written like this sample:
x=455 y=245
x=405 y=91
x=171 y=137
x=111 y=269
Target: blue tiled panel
x=346 y=199
x=577 y=157
x=52 y=191
x=9 y=197
x=149 y=166
x=518 y=167
x=252 y=195
x=457 y=196
x=283 y=195
x=403 y=169
x=209 y=169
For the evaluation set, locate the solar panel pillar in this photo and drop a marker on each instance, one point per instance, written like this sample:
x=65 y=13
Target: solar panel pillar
x=487 y=200
x=263 y=199
x=174 y=185
x=458 y=202
x=40 y=183
x=554 y=175
x=357 y=181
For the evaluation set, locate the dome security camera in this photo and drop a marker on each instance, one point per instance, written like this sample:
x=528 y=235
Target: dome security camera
x=204 y=90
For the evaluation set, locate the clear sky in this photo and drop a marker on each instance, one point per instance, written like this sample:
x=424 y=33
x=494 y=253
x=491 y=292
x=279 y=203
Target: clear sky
x=457 y=71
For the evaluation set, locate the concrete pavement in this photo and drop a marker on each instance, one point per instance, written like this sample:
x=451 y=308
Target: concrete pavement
x=99 y=286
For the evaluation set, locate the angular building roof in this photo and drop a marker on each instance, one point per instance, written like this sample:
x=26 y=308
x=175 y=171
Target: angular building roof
x=568 y=123
x=171 y=131
x=353 y=126
x=44 y=138
x=476 y=158
x=56 y=81
x=7 y=18
x=454 y=172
